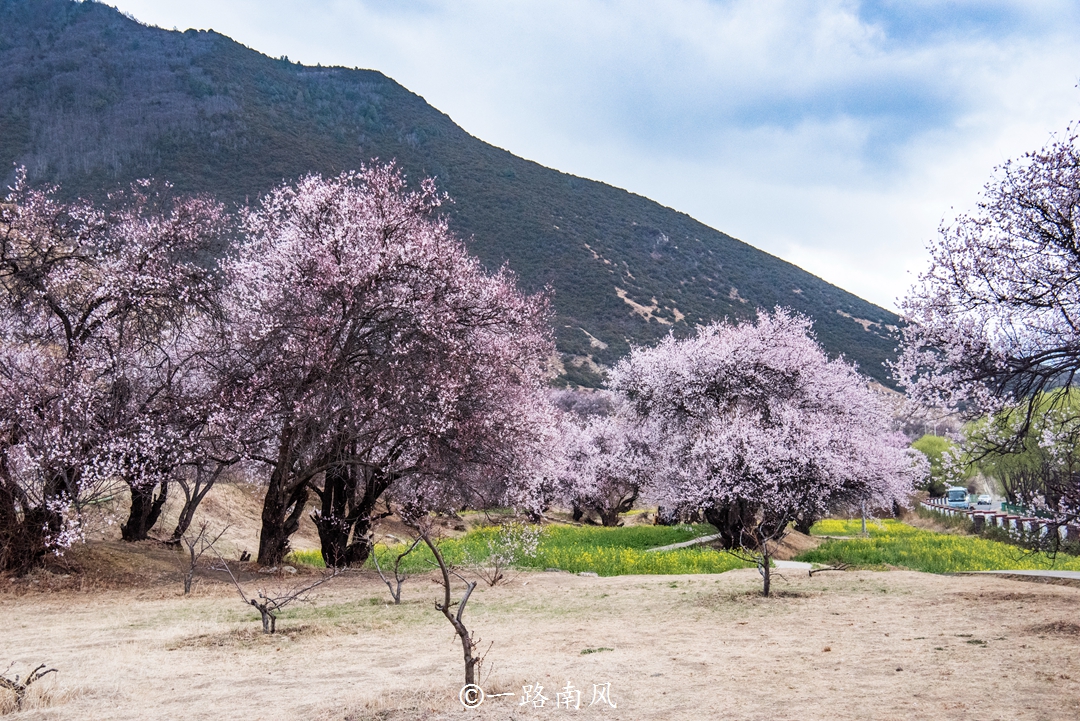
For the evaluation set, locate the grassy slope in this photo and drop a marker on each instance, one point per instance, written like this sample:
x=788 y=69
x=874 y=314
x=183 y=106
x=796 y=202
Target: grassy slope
x=92 y=99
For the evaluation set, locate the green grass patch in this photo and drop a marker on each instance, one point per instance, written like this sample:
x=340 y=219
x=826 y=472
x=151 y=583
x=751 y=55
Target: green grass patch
x=604 y=551
x=891 y=543
x=306 y=557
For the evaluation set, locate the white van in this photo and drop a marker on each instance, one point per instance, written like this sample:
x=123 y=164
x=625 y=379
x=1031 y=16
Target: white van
x=956 y=497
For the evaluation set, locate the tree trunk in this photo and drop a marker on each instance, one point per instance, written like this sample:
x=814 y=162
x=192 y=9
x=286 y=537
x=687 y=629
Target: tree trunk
x=183 y=522
x=269 y=620
x=344 y=519
x=26 y=530
x=608 y=517
x=734 y=522
x=193 y=496
x=455 y=619
x=283 y=504
x=766 y=571
x=804 y=522
x=281 y=513
x=331 y=519
x=23 y=541
x=615 y=505
x=144 y=512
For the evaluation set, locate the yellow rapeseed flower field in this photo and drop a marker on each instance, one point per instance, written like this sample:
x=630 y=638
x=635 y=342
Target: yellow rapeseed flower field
x=891 y=543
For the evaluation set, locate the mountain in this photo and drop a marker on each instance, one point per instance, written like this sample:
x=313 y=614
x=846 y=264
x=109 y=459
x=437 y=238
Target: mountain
x=90 y=98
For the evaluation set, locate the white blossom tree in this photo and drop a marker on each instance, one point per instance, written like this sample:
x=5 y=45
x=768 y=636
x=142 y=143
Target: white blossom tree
x=607 y=465
x=755 y=426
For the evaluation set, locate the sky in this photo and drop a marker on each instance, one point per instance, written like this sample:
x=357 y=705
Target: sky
x=836 y=134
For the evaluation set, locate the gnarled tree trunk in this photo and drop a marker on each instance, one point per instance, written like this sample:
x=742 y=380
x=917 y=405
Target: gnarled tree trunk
x=618 y=502
x=348 y=497
x=283 y=505
x=734 y=522
x=145 y=510
x=282 y=509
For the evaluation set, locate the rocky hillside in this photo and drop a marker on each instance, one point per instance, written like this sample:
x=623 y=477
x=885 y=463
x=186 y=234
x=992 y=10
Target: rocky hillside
x=91 y=98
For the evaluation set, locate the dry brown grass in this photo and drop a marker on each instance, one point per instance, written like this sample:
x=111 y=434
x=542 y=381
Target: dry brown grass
x=43 y=694
x=111 y=617
x=683 y=647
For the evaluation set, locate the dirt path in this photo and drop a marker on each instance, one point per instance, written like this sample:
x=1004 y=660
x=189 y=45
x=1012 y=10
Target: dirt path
x=895 y=645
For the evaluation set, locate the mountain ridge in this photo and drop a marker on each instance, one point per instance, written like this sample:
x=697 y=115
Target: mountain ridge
x=94 y=99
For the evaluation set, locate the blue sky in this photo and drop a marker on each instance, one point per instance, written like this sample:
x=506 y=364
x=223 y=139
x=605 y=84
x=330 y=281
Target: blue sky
x=836 y=134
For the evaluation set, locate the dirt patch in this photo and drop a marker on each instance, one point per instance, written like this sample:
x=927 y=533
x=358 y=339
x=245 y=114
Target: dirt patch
x=1055 y=628
x=247 y=637
x=1010 y=596
x=683 y=647
x=795 y=543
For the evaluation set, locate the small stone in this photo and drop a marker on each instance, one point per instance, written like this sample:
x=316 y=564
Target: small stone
x=899 y=668
x=588 y=573
x=826 y=649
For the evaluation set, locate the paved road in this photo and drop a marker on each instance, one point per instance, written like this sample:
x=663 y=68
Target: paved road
x=693 y=542
x=1071 y=575
x=1058 y=578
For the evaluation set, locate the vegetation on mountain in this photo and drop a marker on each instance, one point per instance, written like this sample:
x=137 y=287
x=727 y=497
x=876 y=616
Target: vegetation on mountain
x=92 y=99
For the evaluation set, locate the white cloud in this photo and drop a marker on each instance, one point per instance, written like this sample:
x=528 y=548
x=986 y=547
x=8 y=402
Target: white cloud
x=835 y=134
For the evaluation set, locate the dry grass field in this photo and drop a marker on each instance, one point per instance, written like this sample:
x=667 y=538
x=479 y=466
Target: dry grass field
x=854 y=645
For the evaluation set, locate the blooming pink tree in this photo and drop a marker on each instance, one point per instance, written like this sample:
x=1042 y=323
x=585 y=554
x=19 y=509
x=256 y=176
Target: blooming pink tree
x=757 y=427
x=94 y=309
x=607 y=464
x=377 y=354
x=993 y=324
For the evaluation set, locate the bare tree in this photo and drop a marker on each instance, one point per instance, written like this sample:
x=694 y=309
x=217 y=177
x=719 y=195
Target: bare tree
x=511 y=544
x=19 y=688
x=423 y=529
x=757 y=544
x=194 y=546
x=399 y=575
x=269 y=603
